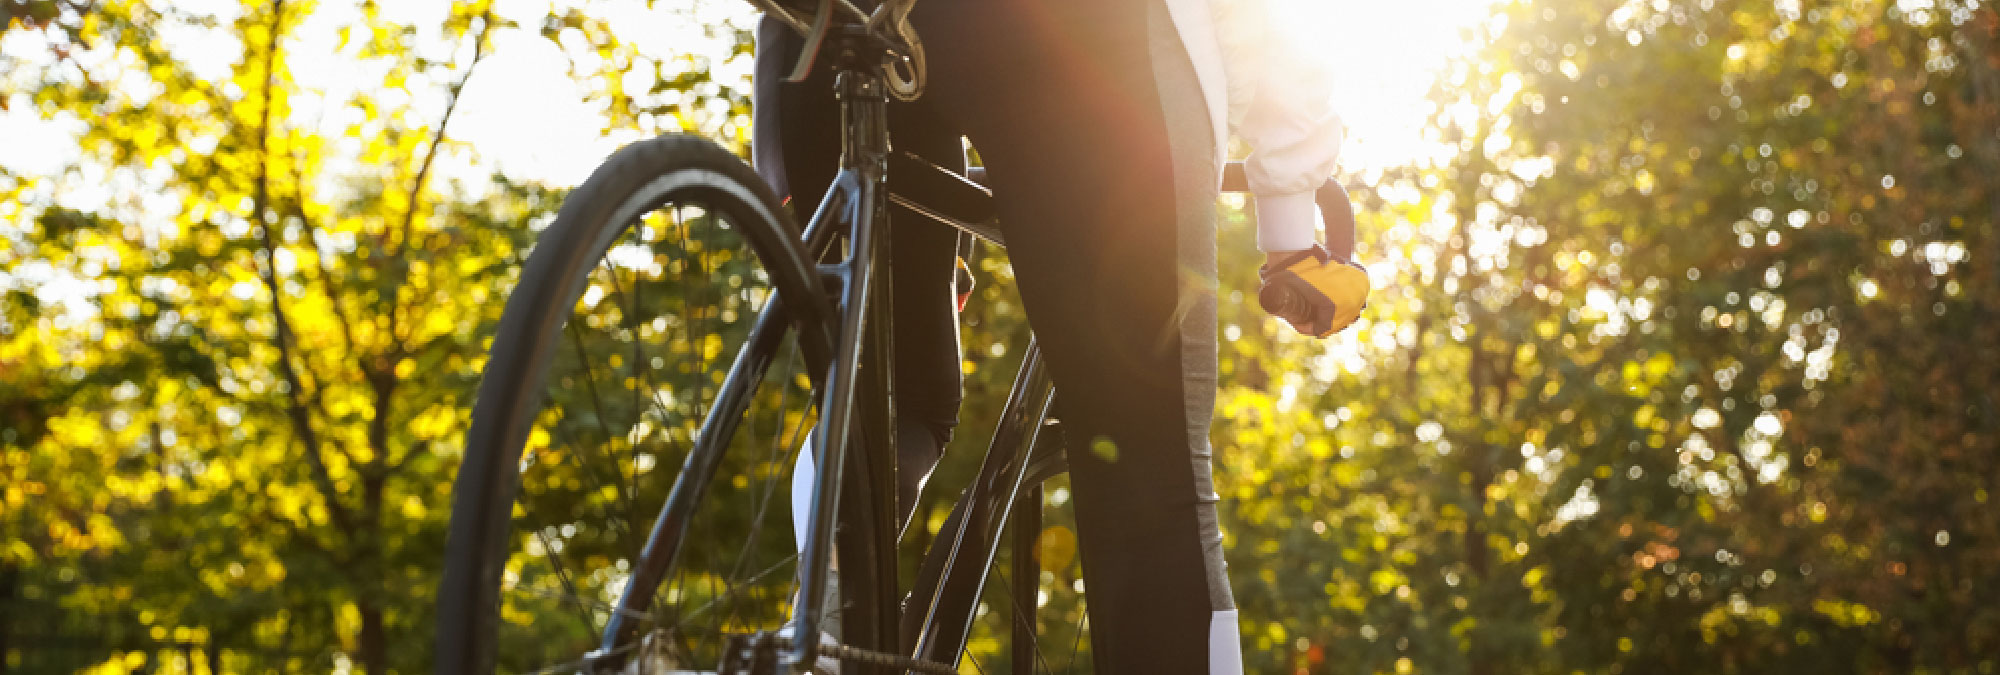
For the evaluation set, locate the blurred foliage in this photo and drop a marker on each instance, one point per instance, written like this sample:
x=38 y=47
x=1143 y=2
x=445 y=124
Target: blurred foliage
x=233 y=393
x=1678 y=366
x=1683 y=363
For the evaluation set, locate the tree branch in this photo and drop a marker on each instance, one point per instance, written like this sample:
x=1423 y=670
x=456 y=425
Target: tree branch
x=295 y=408
x=311 y=543
x=325 y=272
x=383 y=374
x=340 y=315
x=444 y=123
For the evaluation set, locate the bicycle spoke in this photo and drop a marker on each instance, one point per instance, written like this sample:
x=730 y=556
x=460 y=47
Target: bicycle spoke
x=578 y=665
x=597 y=605
x=1081 y=626
x=731 y=583
x=651 y=389
x=570 y=593
x=597 y=403
x=1021 y=618
x=569 y=586
x=697 y=339
x=701 y=350
x=639 y=364
x=652 y=393
x=764 y=502
x=760 y=576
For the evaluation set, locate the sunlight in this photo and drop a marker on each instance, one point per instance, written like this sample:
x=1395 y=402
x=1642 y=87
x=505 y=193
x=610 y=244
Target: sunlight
x=1680 y=319
x=1385 y=56
x=524 y=116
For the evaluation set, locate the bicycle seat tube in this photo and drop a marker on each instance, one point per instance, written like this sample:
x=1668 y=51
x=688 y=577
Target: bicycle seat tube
x=863 y=96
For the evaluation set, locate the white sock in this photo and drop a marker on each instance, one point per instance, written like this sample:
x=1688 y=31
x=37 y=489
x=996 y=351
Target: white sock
x=803 y=473
x=802 y=482
x=1225 y=646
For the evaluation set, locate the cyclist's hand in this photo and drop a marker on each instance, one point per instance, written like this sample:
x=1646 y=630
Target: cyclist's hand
x=1317 y=295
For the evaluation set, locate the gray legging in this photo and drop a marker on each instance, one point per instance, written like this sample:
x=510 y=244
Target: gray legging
x=1101 y=157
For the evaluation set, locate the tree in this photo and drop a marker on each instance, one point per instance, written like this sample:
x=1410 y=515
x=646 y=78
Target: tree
x=257 y=371
x=236 y=375
x=1680 y=364
x=1673 y=369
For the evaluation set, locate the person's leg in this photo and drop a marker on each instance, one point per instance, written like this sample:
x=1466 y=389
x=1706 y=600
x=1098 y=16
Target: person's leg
x=1099 y=146
x=796 y=148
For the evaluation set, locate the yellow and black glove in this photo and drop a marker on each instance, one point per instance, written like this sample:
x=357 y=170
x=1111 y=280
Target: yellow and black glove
x=1316 y=294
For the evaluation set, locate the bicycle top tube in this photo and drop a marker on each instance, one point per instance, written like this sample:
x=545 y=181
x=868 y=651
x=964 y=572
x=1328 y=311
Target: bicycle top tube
x=966 y=201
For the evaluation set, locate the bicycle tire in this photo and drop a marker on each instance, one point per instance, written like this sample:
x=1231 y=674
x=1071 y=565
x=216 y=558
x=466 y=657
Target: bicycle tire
x=634 y=181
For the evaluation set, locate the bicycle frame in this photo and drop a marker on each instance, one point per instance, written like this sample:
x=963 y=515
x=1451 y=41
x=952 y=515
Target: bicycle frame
x=855 y=199
x=856 y=400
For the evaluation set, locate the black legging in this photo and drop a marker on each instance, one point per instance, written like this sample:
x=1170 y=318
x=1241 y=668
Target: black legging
x=1101 y=157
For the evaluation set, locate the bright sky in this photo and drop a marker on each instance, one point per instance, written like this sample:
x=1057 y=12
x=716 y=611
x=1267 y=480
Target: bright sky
x=524 y=116
x=1384 y=52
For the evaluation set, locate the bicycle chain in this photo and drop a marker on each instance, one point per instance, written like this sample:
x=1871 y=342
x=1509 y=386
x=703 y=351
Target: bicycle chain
x=875 y=658
x=760 y=642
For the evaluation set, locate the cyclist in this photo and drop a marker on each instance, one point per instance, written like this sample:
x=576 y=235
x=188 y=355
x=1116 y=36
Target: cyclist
x=1102 y=126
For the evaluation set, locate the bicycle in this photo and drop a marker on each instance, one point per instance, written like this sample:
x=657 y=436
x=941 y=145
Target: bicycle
x=715 y=588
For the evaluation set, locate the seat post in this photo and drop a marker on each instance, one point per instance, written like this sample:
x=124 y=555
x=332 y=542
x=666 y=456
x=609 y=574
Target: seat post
x=864 y=102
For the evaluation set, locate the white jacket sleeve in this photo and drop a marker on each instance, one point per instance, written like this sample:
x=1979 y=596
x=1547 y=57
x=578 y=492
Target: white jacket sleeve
x=1281 y=105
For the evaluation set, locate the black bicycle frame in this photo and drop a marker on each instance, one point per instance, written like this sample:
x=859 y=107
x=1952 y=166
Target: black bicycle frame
x=855 y=387
x=857 y=196
x=856 y=401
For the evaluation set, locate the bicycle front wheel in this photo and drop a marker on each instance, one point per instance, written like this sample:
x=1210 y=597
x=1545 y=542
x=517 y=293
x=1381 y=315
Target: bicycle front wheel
x=626 y=472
